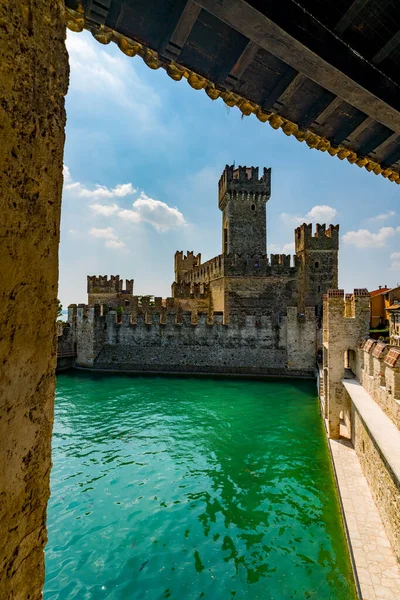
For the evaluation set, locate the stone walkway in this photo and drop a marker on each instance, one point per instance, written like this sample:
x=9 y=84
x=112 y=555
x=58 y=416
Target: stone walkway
x=377 y=568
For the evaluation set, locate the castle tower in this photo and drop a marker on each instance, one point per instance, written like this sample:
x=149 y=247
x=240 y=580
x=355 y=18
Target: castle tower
x=318 y=257
x=242 y=198
x=102 y=290
x=185 y=263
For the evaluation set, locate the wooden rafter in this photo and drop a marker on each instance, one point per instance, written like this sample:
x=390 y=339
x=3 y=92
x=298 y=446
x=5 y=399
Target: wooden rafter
x=258 y=27
x=232 y=72
x=381 y=148
x=284 y=89
x=354 y=9
x=173 y=43
x=323 y=116
x=365 y=124
x=387 y=49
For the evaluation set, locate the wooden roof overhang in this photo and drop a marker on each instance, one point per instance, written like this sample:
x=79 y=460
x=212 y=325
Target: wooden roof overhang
x=326 y=72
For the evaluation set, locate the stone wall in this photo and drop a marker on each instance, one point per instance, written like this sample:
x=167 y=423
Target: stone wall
x=345 y=319
x=193 y=343
x=380 y=379
x=33 y=83
x=385 y=487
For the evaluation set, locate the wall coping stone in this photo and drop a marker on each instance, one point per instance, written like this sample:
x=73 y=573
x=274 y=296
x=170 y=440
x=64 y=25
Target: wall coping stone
x=382 y=429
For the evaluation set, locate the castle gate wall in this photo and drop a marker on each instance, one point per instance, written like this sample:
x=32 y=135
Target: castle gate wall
x=34 y=81
x=182 y=342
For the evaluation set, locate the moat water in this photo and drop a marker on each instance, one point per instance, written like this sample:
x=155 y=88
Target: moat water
x=192 y=488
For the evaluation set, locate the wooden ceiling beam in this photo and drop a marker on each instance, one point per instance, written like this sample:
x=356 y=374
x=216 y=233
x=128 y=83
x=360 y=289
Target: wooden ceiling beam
x=232 y=72
x=347 y=129
x=325 y=103
x=348 y=78
x=171 y=46
x=284 y=89
x=354 y=9
x=392 y=158
x=387 y=49
x=97 y=10
x=378 y=143
x=323 y=116
x=381 y=148
x=367 y=122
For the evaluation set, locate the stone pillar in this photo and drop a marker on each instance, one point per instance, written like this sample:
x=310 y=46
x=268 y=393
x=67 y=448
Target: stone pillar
x=33 y=83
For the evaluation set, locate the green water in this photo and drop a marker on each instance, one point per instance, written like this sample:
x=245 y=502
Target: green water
x=192 y=488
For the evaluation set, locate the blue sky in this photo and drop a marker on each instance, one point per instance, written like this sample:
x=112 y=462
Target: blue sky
x=143 y=157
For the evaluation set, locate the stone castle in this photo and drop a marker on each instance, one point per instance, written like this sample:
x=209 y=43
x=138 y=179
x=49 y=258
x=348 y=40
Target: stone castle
x=240 y=312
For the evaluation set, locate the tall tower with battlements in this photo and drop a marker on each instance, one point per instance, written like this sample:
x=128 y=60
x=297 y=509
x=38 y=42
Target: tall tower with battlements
x=318 y=261
x=242 y=198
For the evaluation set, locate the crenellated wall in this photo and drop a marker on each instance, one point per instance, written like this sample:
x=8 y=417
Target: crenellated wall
x=175 y=341
x=377 y=367
x=102 y=289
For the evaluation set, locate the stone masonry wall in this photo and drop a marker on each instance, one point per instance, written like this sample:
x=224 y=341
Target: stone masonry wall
x=381 y=380
x=33 y=83
x=192 y=343
x=384 y=486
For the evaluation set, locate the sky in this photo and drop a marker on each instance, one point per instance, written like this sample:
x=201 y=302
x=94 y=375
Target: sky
x=142 y=161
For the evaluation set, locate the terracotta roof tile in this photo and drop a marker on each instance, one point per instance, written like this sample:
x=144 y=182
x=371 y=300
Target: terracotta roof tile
x=380 y=291
x=379 y=349
x=369 y=344
x=393 y=358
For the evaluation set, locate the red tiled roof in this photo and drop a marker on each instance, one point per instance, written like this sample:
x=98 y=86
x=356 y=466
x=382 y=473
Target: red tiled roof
x=369 y=344
x=379 y=349
x=380 y=291
x=393 y=357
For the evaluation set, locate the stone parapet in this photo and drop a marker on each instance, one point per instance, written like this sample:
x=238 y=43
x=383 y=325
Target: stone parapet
x=243 y=181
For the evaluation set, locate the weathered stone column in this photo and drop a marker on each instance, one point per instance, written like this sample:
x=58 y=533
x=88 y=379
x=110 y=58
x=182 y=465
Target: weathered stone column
x=33 y=83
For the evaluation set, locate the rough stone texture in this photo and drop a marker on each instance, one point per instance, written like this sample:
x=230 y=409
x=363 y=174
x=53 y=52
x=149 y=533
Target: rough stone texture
x=384 y=486
x=183 y=342
x=380 y=380
x=33 y=83
x=345 y=321
x=242 y=197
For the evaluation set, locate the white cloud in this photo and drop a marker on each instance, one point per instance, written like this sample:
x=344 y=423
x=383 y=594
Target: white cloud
x=112 y=79
x=366 y=239
x=104 y=209
x=114 y=244
x=106 y=232
x=383 y=216
x=395 y=266
x=278 y=249
x=321 y=213
x=100 y=191
x=144 y=210
x=67 y=175
x=161 y=216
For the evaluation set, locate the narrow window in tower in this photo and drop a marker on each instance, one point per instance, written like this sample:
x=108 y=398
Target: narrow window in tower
x=225 y=240
x=316 y=265
x=253 y=207
x=319 y=288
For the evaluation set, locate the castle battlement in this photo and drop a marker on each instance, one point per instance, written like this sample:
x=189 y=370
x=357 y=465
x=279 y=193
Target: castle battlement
x=246 y=264
x=190 y=289
x=101 y=284
x=184 y=263
x=100 y=317
x=323 y=238
x=243 y=182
